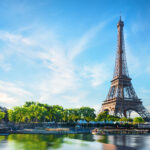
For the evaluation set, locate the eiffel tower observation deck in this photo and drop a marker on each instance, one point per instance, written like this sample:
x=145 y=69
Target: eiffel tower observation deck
x=122 y=98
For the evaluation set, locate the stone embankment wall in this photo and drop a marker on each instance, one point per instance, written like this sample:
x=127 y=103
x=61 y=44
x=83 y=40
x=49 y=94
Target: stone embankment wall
x=20 y=126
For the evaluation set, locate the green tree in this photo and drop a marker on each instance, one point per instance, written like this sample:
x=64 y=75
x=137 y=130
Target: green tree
x=87 y=113
x=112 y=118
x=38 y=112
x=11 y=115
x=65 y=116
x=138 y=120
x=49 y=114
x=2 y=115
x=43 y=114
x=29 y=103
x=19 y=114
x=102 y=116
x=123 y=119
x=73 y=114
x=57 y=113
x=35 y=112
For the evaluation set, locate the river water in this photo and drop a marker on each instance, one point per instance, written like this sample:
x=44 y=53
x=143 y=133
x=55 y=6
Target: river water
x=74 y=142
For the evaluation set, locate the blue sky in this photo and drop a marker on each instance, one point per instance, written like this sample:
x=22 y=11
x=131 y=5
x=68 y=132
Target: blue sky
x=63 y=51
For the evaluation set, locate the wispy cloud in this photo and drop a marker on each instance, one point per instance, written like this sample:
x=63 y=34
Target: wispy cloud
x=133 y=62
x=11 y=94
x=97 y=74
x=75 y=98
x=145 y=91
x=3 y=64
x=14 y=38
x=148 y=69
x=83 y=42
x=97 y=108
x=62 y=75
x=8 y=100
x=12 y=88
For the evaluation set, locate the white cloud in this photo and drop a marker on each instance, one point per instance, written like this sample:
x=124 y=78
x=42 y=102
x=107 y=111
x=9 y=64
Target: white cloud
x=145 y=91
x=148 y=69
x=63 y=76
x=136 y=27
x=76 y=98
x=8 y=100
x=14 y=38
x=97 y=108
x=82 y=44
x=11 y=94
x=134 y=63
x=97 y=74
x=3 y=64
x=12 y=88
x=138 y=64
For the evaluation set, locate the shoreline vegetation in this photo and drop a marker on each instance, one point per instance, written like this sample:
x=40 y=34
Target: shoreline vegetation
x=35 y=112
x=38 y=118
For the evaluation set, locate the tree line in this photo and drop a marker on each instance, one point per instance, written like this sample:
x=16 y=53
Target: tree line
x=104 y=116
x=37 y=112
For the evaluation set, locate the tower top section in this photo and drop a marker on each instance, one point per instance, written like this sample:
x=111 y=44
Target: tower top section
x=120 y=23
x=121 y=69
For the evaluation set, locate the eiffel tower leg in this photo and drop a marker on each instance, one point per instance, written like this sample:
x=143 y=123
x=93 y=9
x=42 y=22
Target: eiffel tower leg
x=143 y=112
x=130 y=113
x=118 y=113
x=125 y=113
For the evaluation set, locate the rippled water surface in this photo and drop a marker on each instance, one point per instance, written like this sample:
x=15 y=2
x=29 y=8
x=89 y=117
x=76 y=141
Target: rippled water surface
x=74 y=142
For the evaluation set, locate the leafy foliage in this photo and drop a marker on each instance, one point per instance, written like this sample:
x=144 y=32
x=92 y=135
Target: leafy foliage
x=2 y=115
x=37 y=112
x=103 y=116
x=138 y=120
x=123 y=119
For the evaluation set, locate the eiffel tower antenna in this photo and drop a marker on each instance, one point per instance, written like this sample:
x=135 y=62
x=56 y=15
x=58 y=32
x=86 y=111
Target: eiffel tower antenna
x=120 y=15
x=122 y=97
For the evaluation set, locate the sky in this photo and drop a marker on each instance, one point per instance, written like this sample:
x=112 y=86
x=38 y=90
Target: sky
x=62 y=52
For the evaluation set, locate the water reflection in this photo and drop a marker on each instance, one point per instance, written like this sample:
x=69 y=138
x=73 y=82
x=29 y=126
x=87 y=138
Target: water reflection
x=74 y=141
x=124 y=142
x=2 y=138
x=36 y=141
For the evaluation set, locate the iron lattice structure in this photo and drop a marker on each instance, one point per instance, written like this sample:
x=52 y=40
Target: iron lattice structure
x=122 y=97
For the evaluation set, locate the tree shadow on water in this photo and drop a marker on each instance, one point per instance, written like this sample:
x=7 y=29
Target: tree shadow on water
x=36 y=141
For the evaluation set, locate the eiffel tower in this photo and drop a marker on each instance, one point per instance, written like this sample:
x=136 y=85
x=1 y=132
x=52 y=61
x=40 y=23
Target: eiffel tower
x=122 y=98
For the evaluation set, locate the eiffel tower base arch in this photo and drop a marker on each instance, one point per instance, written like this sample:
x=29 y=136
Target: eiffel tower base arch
x=120 y=109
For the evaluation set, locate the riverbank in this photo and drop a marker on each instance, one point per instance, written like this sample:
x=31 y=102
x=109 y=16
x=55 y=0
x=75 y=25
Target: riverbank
x=61 y=131
x=120 y=131
x=58 y=131
x=72 y=128
x=35 y=131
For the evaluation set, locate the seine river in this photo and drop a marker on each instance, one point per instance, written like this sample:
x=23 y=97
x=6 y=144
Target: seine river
x=74 y=142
